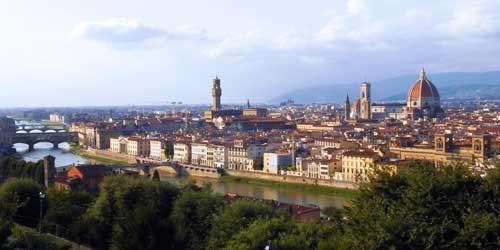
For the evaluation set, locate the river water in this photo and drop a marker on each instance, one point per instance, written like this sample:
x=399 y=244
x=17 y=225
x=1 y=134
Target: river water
x=291 y=196
x=64 y=157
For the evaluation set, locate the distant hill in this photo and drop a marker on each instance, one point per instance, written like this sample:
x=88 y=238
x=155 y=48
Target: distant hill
x=453 y=85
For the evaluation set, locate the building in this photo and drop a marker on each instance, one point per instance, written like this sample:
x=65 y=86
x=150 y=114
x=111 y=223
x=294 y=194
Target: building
x=216 y=94
x=182 y=152
x=445 y=151
x=265 y=124
x=199 y=154
x=356 y=109
x=423 y=99
x=82 y=177
x=7 y=131
x=245 y=156
x=275 y=161
x=217 y=155
x=347 y=108
x=216 y=110
x=313 y=168
x=254 y=111
x=365 y=101
x=119 y=145
x=138 y=146
x=157 y=149
x=57 y=118
x=381 y=111
x=358 y=165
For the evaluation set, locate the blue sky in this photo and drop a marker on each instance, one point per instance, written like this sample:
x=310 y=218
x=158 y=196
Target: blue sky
x=71 y=53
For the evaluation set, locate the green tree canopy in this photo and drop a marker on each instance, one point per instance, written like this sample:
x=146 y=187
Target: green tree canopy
x=20 y=198
x=133 y=212
x=193 y=215
x=235 y=217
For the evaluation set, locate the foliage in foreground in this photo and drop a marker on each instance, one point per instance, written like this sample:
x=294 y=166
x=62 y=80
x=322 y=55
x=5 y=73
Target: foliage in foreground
x=419 y=208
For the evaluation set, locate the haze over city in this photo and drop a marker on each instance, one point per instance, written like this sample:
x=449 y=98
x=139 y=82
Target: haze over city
x=69 y=53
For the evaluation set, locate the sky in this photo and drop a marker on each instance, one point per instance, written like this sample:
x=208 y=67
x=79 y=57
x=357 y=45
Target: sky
x=123 y=52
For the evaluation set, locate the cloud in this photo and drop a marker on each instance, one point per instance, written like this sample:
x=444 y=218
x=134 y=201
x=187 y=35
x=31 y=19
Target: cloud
x=477 y=20
x=128 y=31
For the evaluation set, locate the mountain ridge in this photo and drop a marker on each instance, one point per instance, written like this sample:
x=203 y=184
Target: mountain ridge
x=451 y=85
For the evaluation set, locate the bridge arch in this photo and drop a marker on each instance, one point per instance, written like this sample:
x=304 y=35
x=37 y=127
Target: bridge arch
x=52 y=137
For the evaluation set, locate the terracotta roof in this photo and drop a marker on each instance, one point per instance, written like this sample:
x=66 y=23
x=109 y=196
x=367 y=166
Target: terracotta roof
x=422 y=88
x=93 y=170
x=356 y=105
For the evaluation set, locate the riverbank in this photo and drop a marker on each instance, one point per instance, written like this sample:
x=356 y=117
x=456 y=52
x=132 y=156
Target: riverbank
x=75 y=149
x=346 y=193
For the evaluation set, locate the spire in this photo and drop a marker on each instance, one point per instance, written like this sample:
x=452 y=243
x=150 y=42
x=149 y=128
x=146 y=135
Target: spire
x=347 y=98
x=422 y=75
x=248 y=103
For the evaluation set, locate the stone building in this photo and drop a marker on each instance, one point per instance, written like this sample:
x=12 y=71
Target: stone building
x=274 y=161
x=446 y=151
x=358 y=165
x=182 y=152
x=199 y=154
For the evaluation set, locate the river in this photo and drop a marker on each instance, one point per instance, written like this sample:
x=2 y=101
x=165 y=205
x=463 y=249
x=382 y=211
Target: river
x=65 y=157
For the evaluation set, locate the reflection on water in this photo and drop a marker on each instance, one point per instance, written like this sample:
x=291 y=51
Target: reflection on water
x=291 y=196
x=63 y=155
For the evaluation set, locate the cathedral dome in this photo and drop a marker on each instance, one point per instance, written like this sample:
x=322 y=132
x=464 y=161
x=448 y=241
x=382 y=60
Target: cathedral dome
x=423 y=92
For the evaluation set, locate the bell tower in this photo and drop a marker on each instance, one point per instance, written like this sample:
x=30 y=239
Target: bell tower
x=216 y=94
x=365 y=99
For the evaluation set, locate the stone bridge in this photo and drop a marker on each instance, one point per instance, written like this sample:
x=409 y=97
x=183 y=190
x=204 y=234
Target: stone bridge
x=35 y=137
x=40 y=128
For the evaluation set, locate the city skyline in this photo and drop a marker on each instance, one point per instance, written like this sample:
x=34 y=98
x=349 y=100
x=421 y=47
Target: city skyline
x=119 y=53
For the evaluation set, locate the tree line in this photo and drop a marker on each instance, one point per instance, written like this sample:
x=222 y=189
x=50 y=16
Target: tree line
x=421 y=207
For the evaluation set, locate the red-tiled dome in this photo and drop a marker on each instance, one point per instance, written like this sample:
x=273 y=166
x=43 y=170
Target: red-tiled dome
x=422 y=88
x=356 y=105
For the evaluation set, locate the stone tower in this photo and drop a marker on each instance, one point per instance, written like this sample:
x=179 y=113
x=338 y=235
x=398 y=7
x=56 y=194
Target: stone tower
x=216 y=93
x=365 y=99
x=49 y=168
x=347 y=108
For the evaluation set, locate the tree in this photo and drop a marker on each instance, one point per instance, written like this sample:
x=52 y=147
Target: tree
x=11 y=167
x=27 y=238
x=5 y=231
x=425 y=208
x=260 y=233
x=133 y=212
x=65 y=208
x=235 y=217
x=193 y=215
x=20 y=198
x=333 y=214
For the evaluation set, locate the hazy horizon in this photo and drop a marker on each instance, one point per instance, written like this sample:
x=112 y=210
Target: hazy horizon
x=114 y=53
